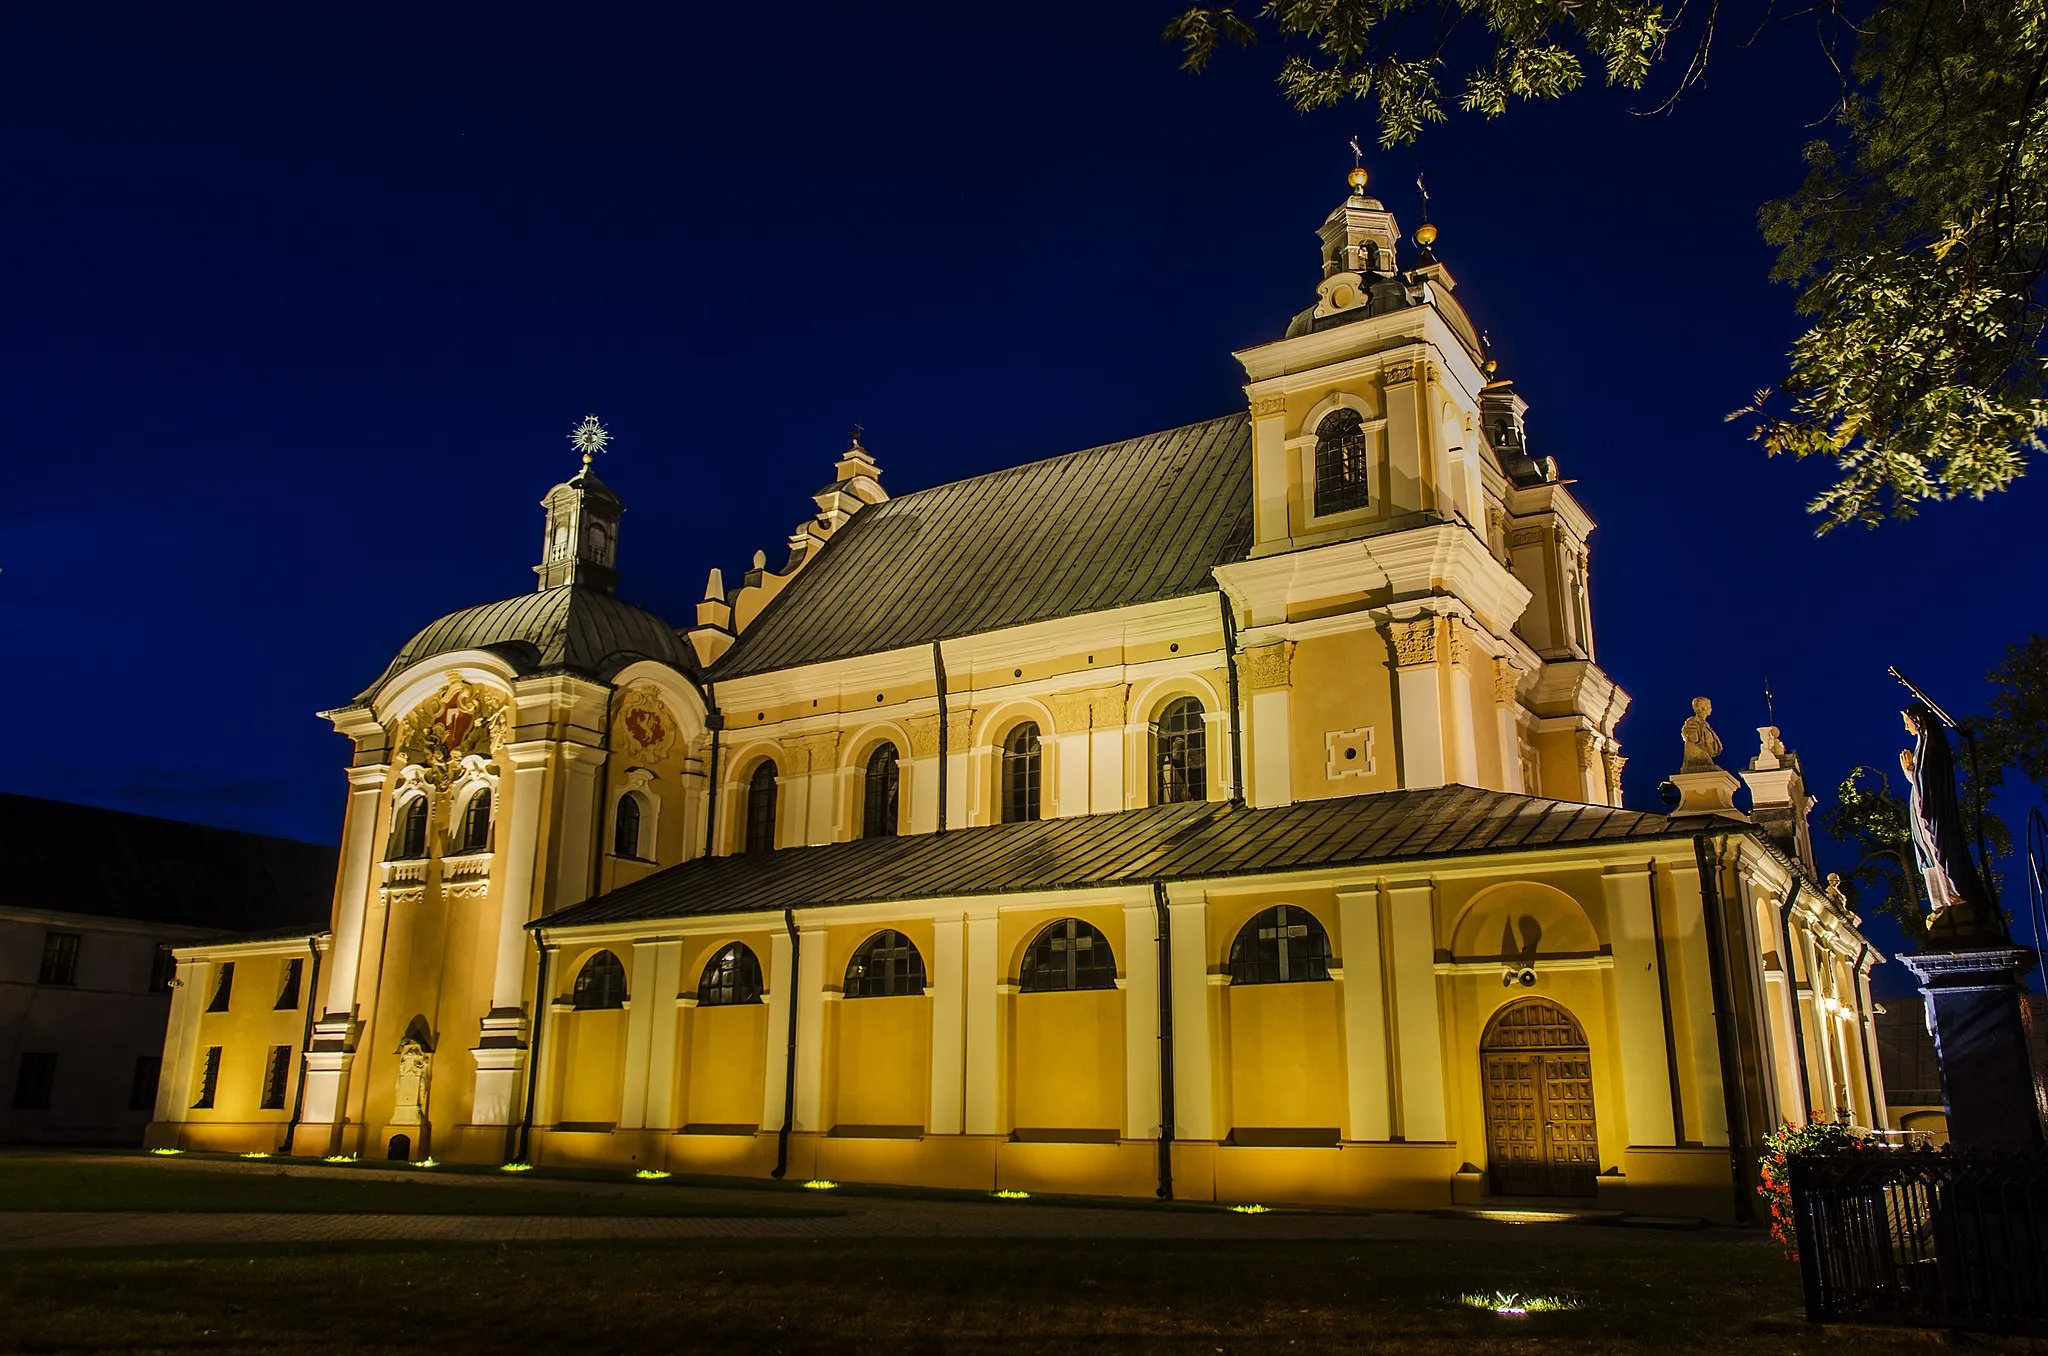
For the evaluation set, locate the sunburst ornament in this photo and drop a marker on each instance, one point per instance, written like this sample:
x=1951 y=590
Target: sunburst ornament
x=589 y=438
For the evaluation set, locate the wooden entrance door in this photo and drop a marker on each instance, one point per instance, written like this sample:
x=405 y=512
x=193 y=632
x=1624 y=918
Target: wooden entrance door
x=1540 y=1136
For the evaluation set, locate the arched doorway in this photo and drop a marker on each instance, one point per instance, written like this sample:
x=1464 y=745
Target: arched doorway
x=1540 y=1138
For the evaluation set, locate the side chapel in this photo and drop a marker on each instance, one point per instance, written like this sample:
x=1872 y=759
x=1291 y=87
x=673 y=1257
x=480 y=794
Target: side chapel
x=1229 y=813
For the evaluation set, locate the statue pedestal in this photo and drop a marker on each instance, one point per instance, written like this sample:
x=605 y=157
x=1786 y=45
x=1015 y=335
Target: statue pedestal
x=1987 y=1077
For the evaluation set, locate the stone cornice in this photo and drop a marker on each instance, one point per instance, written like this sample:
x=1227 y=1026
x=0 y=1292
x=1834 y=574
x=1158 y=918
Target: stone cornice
x=1418 y=562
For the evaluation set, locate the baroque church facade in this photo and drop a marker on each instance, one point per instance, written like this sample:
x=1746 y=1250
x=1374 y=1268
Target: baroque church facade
x=1230 y=813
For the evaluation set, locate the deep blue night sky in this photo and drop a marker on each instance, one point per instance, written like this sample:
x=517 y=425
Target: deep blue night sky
x=303 y=305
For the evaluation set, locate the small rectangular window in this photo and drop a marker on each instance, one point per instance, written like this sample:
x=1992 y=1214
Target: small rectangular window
x=60 y=958
x=209 y=1078
x=223 y=988
x=163 y=968
x=142 y=1092
x=32 y=1085
x=288 y=995
x=276 y=1074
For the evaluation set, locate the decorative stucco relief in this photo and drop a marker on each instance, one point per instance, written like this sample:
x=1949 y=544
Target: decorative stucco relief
x=1267 y=666
x=460 y=721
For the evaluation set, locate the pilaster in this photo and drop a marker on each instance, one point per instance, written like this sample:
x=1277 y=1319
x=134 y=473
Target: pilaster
x=1418 y=699
x=1141 y=1021
x=810 y=1030
x=781 y=992
x=1194 y=1098
x=983 y=1088
x=359 y=842
x=1265 y=673
x=1638 y=1003
x=946 y=987
x=1418 y=1035
x=1368 y=1092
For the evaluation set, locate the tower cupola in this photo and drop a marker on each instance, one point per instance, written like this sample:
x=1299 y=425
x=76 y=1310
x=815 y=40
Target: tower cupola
x=582 y=541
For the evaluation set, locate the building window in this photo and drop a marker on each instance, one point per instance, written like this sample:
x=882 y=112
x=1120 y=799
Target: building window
x=1283 y=945
x=761 y=809
x=142 y=1088
x=409 y=842
x=1180 y=769
x=886 y=966
x=163 y=968
x=601 y=983
x=1342 y=453
x=223 y=987
x=33 y=1082
x=209 y=1079
x=1068 y=955
x=626 y=827
x=1021 y=755
x=879 y=797
x=288 y=992
x=277 y=1071
x=60 y=958
x=476 y=823
x=733 y=977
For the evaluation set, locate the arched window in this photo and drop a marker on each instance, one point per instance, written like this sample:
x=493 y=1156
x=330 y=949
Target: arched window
x=1342 y=452
x=626 y=827
x=1283 y=945
x=761 y=809
x=880 y=795
x=601 y=983
x=732 y=977
x=476 y=822
x=1068 y=955
x=1021 y=755
x=409 y=842
x=886 y=966
x=1180 y=768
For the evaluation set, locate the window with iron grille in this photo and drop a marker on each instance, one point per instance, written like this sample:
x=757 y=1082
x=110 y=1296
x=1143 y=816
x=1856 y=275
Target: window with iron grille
x=476 y=823
x=880 y=795
x=887 y=965
x=1283 y=945
x=223 y=987
x=761 y=809
x=34 y=1081
x=1021 y=757
x=601 y=983
x=288 y=991
x=733 y=977
x=277 y=1072
x=1181 y=764
x=409 y=841
x=1343 y=451
x=209 y=1079
x=626 y=827
x=142 y=1088
x=163 y=968
x=1068 y=955
x=60 y=958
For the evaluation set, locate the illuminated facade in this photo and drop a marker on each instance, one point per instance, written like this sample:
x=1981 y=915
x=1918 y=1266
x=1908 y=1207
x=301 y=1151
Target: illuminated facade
x=1256 y=779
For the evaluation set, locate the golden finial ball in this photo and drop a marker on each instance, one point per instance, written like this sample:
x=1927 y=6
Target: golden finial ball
x=1358 y=180
x=1425 y=235
x=1491 y=367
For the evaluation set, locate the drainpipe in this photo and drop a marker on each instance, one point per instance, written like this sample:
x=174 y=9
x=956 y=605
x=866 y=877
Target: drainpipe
x=1789 y=959
x=291 y=1127
x=1230 y=665
x=1166 y=1115
x=1735 y=1102
x=1664 y=998
x=939 y=673
x=540 y=1022
x=1863 y=1039
x=789 y=1057
x=716 y=722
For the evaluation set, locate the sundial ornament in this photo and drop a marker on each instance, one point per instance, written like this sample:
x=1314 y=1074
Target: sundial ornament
x=459 y=721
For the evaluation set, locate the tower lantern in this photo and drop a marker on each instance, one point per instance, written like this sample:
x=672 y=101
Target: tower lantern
x=582 y=540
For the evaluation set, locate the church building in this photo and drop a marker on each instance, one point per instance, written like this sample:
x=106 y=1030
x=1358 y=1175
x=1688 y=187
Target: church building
x=1229 y=813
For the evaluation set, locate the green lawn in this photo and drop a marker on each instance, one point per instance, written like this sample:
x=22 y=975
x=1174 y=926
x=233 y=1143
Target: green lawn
x=1637 y=1294
x=32 y=1183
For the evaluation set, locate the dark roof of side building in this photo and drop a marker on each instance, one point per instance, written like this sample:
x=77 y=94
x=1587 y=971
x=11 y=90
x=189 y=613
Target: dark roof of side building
x=107 y=863
x=1194 y=841
x=571 y=628
x=1131 y=522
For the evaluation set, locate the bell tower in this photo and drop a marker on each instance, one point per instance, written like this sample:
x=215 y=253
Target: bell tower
x=581 y=544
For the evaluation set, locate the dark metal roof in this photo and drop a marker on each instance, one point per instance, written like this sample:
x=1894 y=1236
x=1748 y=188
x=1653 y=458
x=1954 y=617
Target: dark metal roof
x=574 y=627
x=1130 y=522
x=110 y=864
x=1197 y=841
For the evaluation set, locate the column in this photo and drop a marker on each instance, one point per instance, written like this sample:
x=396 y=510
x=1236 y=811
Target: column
x=983 y=1029
x=810 y=1030
x=781 y=992
x=1369 y=1095
x=945 y=986
x=1506 y=707
x=1271 y=481
x=1418 y=1037
x=1141 y=1021
x=1194 y=1095
x=1880 y=1117
x=821 y=756
x=1418 y=702
x=1464 y=731
x=501 y=1052
x=960 y=769
x=921 y=773
x=1265 y=672
x=1639 y=1005
x=1404 y=439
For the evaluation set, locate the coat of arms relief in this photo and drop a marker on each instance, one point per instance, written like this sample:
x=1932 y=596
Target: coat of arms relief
x=442 y=734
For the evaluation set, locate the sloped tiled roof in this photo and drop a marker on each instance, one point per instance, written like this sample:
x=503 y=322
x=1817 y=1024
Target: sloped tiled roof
x=110 y=864
x=1197 y=841
x=573 y=627
x=1130 y=522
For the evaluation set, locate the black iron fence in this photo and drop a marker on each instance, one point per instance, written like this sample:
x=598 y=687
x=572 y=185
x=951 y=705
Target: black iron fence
x=1935 y=1238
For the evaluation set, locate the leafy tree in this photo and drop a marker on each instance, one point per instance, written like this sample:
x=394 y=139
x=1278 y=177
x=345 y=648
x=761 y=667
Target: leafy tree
x=2014 y=732
x=1919 y=240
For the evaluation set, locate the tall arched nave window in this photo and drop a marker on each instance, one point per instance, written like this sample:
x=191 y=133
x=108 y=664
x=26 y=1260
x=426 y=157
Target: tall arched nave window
x=626 y=827
x=761 y=808
x=1180 y=763
x=476 y=822
x=887 y=965
x=881 y=793
x=1068 y=955
x=409 y=835
x=1022 y=755
x=1283 y=945
x=1342 y=451
x=601 y=983
x=732 y=977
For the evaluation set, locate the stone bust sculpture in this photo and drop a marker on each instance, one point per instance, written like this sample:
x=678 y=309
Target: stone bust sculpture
x=1702 y=745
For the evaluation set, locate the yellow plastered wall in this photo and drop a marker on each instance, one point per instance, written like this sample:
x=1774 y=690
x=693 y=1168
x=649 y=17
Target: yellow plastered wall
x=1067 y=1060
x=246 y=1033
x=727 y=1049
x=881 y=1069
x=589 y=1060
x=1341 y=683
x=1286 y=1055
